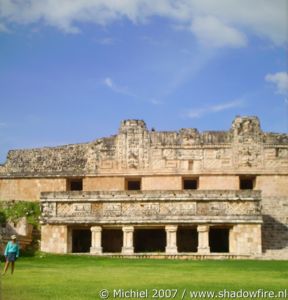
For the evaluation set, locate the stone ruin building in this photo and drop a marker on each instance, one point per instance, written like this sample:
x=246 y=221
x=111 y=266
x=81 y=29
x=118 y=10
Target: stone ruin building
x=215 y=194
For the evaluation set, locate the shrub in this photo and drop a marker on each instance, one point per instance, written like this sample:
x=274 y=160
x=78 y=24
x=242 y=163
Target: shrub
x=3 y=218
x=14 y=211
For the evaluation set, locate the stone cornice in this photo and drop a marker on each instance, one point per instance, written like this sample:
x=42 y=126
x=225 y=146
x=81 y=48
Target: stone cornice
x=145 y=196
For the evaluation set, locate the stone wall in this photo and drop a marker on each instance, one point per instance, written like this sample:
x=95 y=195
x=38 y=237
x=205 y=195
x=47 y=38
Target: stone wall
x=161 y=183
x=246 y=239
x=219 y=182
x=275 y=214
x=54 y=239
x=43 y=162
x=108 y=183
x=29 y=189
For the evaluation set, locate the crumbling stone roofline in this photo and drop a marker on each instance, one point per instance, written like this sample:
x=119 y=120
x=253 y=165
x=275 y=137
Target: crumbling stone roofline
x=134 y=148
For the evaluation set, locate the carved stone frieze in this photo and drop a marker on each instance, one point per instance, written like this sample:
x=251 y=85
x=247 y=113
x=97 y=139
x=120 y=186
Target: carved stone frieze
x=111 y=209
x=136 y=149
x=133 y=145
x=152 y=210
x=73 y=209
x=249 y=155
x=175 y=205
x=48 y=209
x=281 y=153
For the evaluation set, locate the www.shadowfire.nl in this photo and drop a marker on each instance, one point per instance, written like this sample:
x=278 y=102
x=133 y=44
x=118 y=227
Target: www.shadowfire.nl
x=238 y=294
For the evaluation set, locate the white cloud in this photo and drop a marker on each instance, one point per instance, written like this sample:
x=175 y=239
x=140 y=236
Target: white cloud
x=156 y=101
x=108 y=82
x=211 y=32
x=107 y=41
x=280 y=79
x=199 y=112
x=196 y=113
x=265 y=18
x=227 y=105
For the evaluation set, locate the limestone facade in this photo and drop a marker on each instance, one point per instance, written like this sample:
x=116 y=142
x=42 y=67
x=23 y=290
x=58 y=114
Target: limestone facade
x=171 y=193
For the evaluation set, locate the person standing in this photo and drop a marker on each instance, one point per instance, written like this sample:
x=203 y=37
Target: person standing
x=11 y=254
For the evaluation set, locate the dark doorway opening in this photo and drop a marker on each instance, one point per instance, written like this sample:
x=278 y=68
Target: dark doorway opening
x=112 y=240
x=81 y=240
x=187 y=239
x=149 y=240
x=219 y=239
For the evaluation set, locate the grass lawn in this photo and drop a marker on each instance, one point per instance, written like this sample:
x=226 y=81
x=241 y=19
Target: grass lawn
x=82 y=277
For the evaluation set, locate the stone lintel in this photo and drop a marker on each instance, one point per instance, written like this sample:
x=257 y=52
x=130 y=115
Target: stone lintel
x=190 y=221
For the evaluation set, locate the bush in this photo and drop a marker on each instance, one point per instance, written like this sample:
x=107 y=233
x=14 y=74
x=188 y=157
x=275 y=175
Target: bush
x=3 y=218
x=14 y=211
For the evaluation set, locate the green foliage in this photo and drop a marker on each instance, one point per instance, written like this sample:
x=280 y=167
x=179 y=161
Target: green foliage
x=82 y=277
x=3 y=218
x=14 y=211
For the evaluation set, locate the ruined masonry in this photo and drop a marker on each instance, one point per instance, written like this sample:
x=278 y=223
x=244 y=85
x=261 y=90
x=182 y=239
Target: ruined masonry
x=186 y=194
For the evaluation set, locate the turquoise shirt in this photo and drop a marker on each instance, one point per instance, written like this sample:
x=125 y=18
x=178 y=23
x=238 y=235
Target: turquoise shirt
x=12 y=247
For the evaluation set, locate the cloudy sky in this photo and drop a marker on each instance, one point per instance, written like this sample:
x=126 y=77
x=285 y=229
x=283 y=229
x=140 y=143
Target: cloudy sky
x=71 y=70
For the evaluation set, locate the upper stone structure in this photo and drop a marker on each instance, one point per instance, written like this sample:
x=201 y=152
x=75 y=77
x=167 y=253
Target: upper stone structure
x=136 y=150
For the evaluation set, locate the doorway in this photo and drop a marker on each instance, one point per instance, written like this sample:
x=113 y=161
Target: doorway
x=149 y=240
x=219 y=239
x=81 y=240
x=112 y=240
x=187 y=239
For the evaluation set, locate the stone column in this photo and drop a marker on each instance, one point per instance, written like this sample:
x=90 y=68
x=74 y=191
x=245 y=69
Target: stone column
x=171 y=236
x=203 y=239
x=96 y=247
x=128 y=240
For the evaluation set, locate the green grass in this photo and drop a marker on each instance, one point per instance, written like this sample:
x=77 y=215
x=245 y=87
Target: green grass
x=82 y=277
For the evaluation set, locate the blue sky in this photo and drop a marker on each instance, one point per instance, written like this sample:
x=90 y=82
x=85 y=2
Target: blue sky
x=70 y=71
